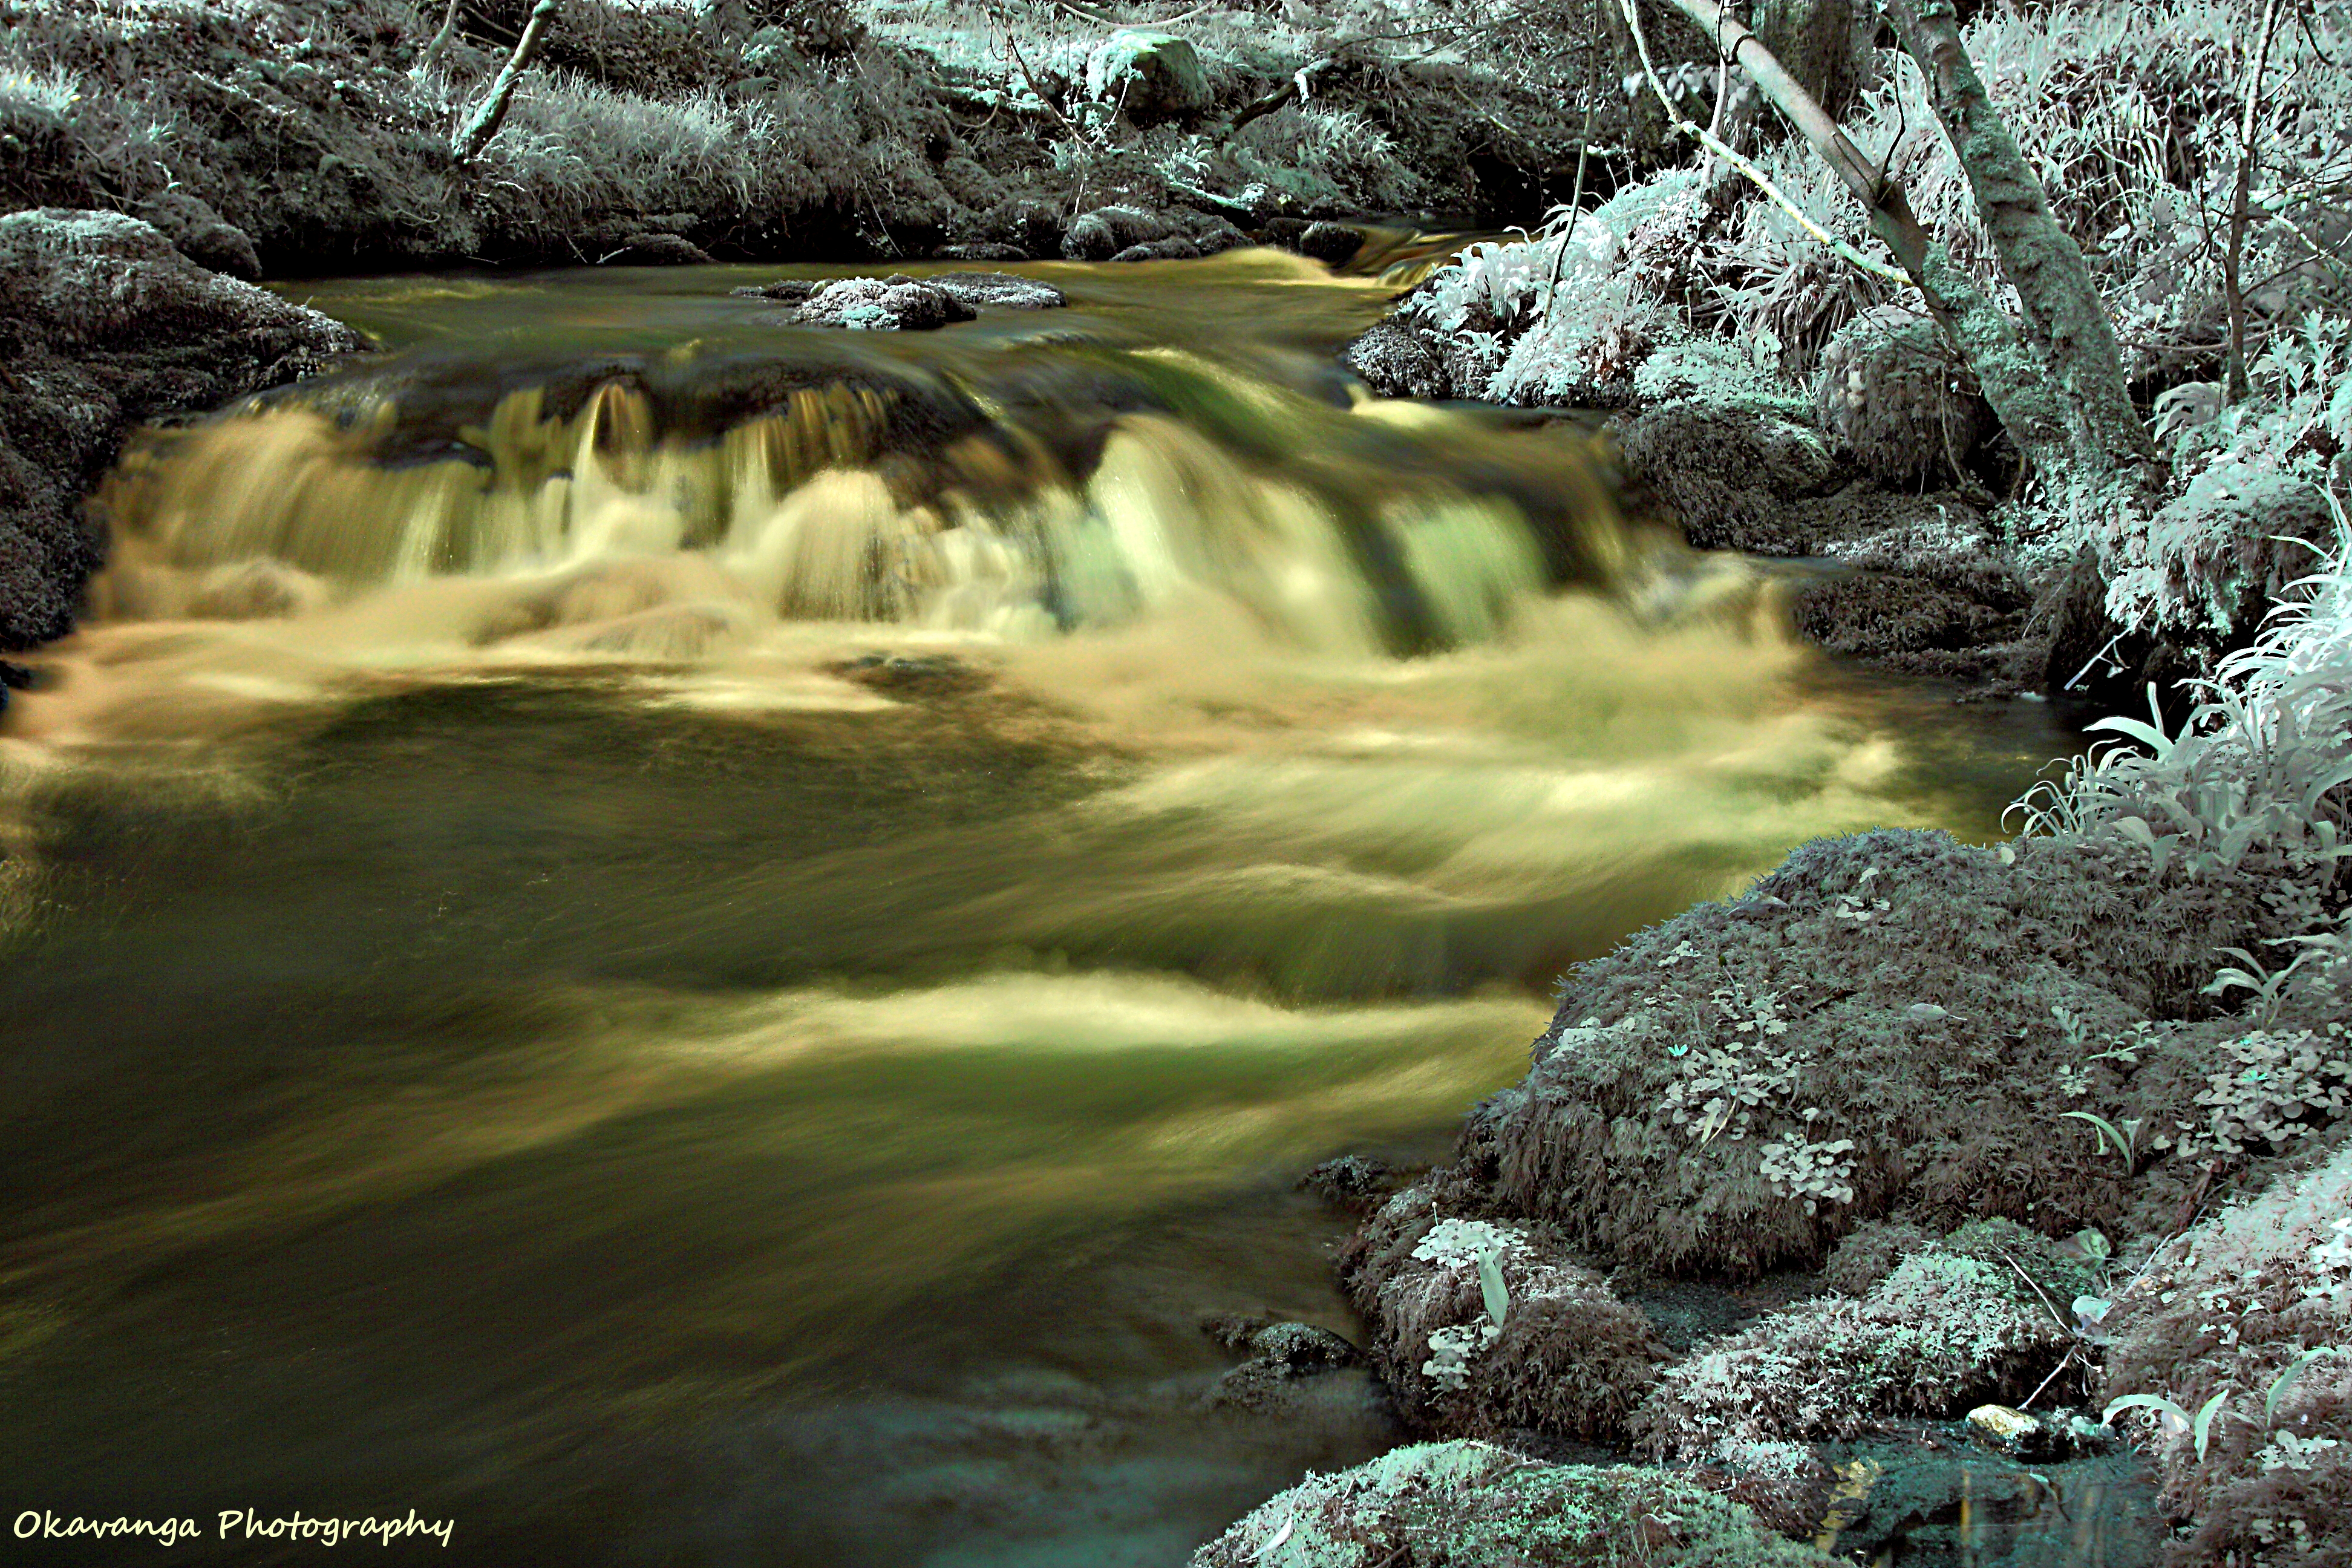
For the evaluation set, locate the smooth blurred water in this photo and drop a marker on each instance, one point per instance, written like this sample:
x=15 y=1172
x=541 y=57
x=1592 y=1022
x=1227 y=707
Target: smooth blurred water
x=587 y=1036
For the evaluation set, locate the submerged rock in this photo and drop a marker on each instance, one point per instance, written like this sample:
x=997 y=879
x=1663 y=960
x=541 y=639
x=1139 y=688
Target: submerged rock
x=656 y=249
x=103 y=324
x=1944 y=1502
x=1281 y=1355
x=1353 y=1182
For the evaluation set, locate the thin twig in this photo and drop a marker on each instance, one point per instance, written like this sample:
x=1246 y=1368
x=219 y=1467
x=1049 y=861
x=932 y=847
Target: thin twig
x=2038 y=1291
x=2048 y=1381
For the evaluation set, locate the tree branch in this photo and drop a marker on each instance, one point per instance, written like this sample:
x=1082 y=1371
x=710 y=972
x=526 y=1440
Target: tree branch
x=485 y=122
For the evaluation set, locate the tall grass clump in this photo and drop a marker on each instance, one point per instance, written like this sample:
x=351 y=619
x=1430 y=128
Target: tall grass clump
x=574 y=151
x=2260 y=771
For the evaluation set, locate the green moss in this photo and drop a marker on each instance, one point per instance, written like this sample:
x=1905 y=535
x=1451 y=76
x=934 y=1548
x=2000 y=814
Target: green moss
x=1953 y=1324
x=1469 y=1505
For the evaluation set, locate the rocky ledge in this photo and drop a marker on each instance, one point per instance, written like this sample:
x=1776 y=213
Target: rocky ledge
x=105 y=323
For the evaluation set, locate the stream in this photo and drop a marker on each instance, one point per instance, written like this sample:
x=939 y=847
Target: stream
x=678 y=939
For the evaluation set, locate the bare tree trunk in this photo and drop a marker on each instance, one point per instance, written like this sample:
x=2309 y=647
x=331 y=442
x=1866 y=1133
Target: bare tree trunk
x=2059 y=391
x=2066 y=324
x=485 y=122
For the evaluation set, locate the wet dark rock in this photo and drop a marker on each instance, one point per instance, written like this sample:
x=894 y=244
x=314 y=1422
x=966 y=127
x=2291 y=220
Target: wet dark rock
x=1281 y=1355
x=1175 y=247
x=1282 y=232
x=983 y=250
x=913 y=675
x=104 y=323
x=1999 y=1429
x=1332 y=244
x=1301 y=1347
x=1928 y=592
x=1396 y=361
x=1738 y=478
x=1687 y=1312
x=1950 y=1502
x=790 y=290
x=1354 y=1181
x=656 y=249
x=202 y=234
x=1103 y=233
x=895 y=303
x=1218 y=235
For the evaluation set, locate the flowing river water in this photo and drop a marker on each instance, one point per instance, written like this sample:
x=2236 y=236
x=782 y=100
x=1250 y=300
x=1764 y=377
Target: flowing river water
x=681 y=940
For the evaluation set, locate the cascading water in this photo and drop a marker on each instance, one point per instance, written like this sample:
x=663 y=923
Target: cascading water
x=683 y=942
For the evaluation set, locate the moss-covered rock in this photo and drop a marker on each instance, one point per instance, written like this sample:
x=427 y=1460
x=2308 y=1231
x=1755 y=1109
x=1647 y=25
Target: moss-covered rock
x=1888 y=1018
x=1566 y=1357
x=1969 y=1317
x=1469 y=1505
x=1896 y=397
x=104 y=323
x=1152 y=75
x=1737 y=478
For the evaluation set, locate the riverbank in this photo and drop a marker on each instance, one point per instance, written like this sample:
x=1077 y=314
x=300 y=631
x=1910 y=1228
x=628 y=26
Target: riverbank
x=805 y=129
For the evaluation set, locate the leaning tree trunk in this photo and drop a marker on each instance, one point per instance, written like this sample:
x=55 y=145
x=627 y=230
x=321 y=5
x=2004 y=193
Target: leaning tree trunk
x=2059 y=388
x=485 y=122
x=2066 y=325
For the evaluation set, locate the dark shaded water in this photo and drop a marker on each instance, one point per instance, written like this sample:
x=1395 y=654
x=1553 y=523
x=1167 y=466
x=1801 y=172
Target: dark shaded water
x=658 y=1039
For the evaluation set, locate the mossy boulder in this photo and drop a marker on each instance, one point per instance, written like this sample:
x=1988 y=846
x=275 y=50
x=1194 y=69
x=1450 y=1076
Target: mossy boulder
x=1150 y=75
x=1955 y=1322
x=1891 y=1019
x=1568 y=1358
x=894 y=304
x=2213 y=560
x=1898 y=400
x=1099 y=234
x=104 y=323
x=1737 y=478
x=1471 y=1505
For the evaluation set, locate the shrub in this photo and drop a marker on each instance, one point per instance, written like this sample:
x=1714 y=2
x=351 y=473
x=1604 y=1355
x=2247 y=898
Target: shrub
x=2235 y=1307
